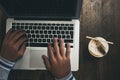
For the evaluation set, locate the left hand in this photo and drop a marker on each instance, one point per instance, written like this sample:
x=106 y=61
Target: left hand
x=13 y=46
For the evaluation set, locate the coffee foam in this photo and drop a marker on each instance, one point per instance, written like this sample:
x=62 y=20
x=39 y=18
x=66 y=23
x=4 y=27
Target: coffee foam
x=93 y=47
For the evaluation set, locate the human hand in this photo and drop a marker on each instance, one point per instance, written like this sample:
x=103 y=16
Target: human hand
x=58 y=62
x=13 y=46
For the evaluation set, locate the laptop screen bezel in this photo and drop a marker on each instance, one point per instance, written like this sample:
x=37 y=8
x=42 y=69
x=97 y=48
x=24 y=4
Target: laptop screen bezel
x=77 y=14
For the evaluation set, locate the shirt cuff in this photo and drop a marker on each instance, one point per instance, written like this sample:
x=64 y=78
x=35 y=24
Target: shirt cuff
x=6 y=64
x=68 y=77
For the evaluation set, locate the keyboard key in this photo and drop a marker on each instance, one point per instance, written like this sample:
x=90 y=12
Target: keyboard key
x=34 y=27
x=37 y=36
x=46 y=36
x=43 y=27
x=62 y=25
x=49 y=32
x=55 y=36
x=27 y=44
x=70 y=46
x=29 y=35
x=38 y=44
x=27 y=24
x=54 y=32
x=39 y=27
x=67 y=32
x=36 y=31
x=66 y=24
x=62 y=32
x=58 y=24
x=41 y=32
x=60 y=28
x=31 y=24
x=71 y=32
x=53 y=24
x=44 y=40
x=18 y=23
x=30 y=27
x=39 y=40
x=31 y=40
x=59 y=36
x=36 y=24
x=65 y=28
x=68 y=36
x=28 y=31
x=71 y=24
x=22 y=24
x=70 y=41
x=22 y=27
x=13 y=27
x=26 y=27
x=42 y=36
x=70 y=28
x=48 y=40
x=72 y=36
x=47 y=28
x=52 y=28
x=63 y=36
x=45 y=32
x=44 y=24
x=35 y=40
x=33 y=35
x=50 y=36
x=40 y=24
x=58 y=32
x=13 y=24
x=32 y=31
x=56 y=28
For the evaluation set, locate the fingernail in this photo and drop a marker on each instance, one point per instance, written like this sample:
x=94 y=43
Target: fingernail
x=61 y=40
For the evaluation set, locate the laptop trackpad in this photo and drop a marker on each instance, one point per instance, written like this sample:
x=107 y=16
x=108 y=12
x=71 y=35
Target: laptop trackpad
x=36 y=60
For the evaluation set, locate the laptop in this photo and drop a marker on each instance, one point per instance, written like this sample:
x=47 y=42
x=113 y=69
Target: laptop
x=42 y=20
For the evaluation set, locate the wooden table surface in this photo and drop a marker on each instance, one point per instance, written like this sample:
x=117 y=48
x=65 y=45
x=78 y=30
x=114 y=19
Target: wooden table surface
x=98 y=18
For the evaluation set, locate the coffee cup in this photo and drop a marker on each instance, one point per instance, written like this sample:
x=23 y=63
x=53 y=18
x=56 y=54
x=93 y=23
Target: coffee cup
x=98 y=47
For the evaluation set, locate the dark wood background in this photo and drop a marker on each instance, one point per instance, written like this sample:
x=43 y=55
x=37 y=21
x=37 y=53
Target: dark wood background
x=98 y=18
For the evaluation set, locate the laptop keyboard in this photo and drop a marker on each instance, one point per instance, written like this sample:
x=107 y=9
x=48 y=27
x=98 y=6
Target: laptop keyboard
x=39 y=34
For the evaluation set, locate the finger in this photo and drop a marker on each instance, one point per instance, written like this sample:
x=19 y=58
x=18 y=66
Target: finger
x=56 y=48
x=21 y=50
x=62 y=47
x=8 y=33
x=17 y=34
x=46 y=62
x=20 y=41
x=68 y=50
x=50 y=53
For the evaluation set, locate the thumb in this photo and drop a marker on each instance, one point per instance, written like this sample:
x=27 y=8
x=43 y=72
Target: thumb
x=46 y=62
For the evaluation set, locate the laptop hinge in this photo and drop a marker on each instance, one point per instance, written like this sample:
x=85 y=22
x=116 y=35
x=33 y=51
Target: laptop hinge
x=38 y=18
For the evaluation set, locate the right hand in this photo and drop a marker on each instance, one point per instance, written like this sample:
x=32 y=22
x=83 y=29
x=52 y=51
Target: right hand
x=13 y=46
x=58 y=62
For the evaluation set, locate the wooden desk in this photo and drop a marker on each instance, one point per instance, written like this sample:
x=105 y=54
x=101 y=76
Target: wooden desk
x=98 y=18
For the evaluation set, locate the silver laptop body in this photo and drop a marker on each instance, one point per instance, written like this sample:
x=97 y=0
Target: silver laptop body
x=44 y=30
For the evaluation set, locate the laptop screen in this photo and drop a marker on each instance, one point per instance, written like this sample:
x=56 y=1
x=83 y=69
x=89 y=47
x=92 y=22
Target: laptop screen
x=41 y=8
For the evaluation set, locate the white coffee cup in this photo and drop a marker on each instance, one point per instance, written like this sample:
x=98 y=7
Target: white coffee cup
x=98 y=47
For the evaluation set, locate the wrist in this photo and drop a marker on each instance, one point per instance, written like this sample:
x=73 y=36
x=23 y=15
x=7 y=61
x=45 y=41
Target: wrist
x=6 y=64
x=68 y=77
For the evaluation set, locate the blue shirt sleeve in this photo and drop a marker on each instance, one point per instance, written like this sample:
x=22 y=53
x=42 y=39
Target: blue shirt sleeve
x=5 y=67
x=68 y=77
